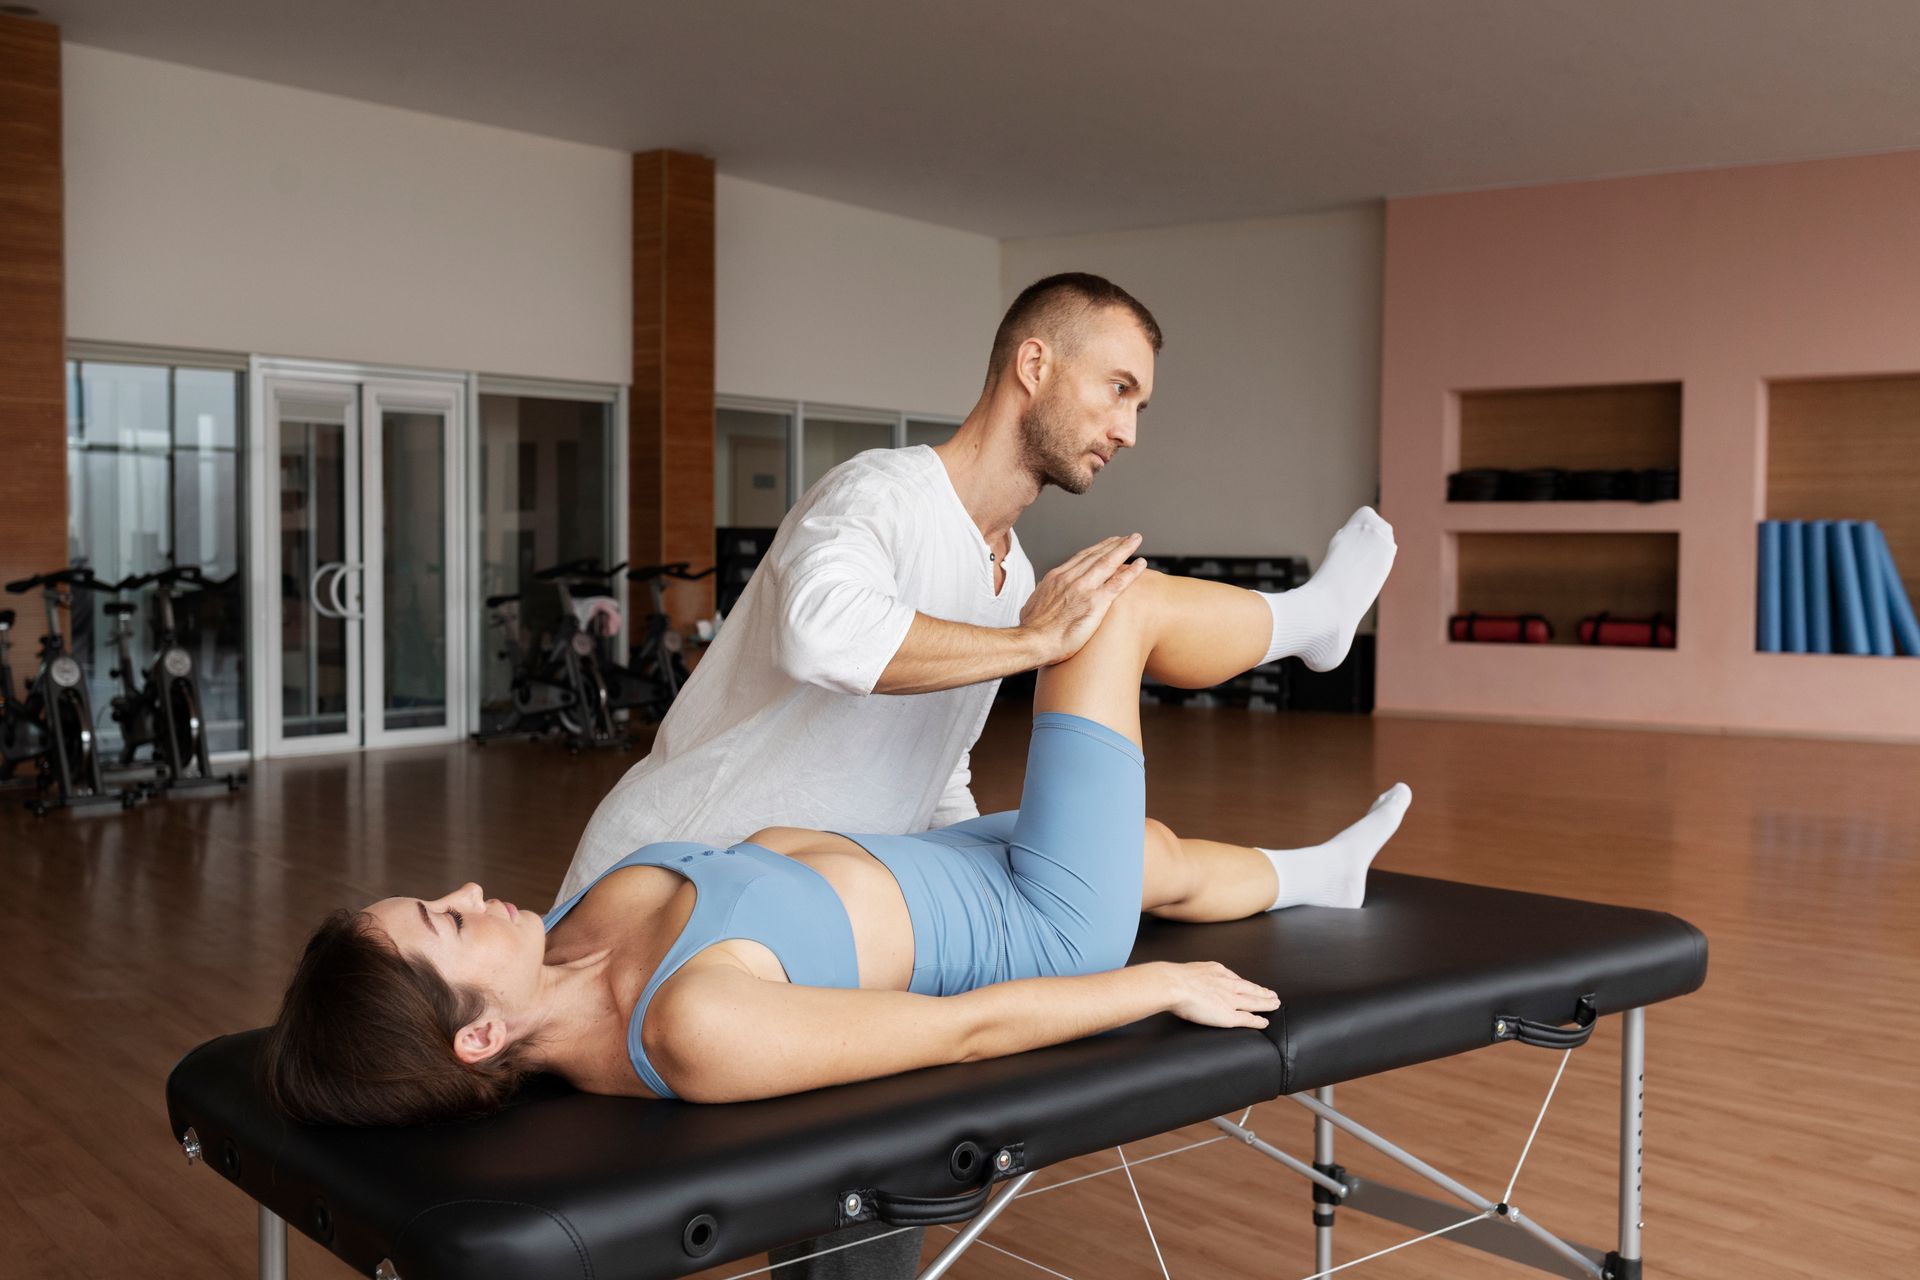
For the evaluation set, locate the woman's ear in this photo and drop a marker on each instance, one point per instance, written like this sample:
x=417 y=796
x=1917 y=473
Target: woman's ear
x=481 y=1039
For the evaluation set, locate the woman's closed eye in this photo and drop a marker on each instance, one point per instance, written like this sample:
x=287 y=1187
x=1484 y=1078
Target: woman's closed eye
x=459 y=922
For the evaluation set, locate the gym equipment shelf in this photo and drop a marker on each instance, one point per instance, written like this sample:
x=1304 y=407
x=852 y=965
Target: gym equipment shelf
x=1849 y=449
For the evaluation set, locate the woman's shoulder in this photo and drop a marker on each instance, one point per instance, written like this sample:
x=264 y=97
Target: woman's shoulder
x=606 y=912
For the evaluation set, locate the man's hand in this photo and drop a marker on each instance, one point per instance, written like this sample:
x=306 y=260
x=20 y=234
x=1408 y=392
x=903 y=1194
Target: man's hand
x=1066 y=607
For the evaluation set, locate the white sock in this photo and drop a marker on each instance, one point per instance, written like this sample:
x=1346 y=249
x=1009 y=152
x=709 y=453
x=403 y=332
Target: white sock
x=1317 y=620
x=1334 y=874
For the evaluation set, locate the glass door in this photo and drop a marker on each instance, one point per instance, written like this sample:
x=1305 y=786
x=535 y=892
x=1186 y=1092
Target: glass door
x=414 y=656
x=359 y=533
x=313 y=502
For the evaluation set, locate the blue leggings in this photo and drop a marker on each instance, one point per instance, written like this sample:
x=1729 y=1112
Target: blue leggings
x=1049 y=889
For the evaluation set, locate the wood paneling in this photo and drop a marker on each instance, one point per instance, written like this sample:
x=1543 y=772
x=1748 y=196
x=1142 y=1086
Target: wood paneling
x=1579 y=428
x=33 y=445
x=670 y=414
x=129 y=938
x=1567 y=576
x=1849 y=449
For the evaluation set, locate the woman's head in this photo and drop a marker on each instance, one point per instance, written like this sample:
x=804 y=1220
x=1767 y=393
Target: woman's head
x=407 y=1012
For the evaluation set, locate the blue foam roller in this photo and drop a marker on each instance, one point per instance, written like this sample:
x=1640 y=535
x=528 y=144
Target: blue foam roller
x=1852 y=614
x=1819 y=594
x=1793 y=602
x=1873 y=590
x=1769 y=586
x=1906 y=627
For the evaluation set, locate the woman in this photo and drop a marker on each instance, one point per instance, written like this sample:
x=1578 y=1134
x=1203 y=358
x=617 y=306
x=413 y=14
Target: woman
x=798 y=958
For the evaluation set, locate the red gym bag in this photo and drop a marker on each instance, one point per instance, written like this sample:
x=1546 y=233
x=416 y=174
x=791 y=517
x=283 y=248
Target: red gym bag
x=1500 y=628
x=1634 y=633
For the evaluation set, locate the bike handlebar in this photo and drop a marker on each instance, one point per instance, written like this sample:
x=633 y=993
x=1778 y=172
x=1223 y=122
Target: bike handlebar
x=177 y=573
x=60 y=578
x=678 y=569
x=577 y=569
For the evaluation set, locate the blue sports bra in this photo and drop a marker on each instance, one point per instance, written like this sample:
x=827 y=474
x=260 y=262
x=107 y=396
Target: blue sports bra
x=743 y=892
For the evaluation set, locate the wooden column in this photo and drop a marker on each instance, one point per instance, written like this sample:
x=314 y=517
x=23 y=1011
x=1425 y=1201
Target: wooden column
x=670 y=412
x=33 y=323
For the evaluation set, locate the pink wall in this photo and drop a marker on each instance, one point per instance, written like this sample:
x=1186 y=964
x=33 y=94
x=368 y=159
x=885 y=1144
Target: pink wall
x=1721 y=280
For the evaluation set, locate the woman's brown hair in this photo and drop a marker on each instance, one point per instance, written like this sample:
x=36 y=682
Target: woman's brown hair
x=365 y=1037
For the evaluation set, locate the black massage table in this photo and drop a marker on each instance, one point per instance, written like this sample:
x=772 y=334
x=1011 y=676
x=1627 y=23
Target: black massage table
x=563 y=1184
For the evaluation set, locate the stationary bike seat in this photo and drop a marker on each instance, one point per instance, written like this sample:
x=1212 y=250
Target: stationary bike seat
x=6 y=619
x=119 y=608
x=494 y=602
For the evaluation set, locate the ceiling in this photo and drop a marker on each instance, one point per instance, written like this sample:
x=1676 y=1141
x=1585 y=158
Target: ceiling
x=1052 y=116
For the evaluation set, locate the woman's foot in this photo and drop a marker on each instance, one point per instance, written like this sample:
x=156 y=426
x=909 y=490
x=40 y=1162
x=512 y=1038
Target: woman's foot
x=1334 y=874
x=1317 y=621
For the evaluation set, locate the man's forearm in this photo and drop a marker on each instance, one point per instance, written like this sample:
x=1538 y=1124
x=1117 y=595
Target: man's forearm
x=938 y=654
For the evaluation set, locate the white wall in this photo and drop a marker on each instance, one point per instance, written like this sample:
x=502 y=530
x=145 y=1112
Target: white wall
x=1263 y=434
x=818 y=300
x=207 y=210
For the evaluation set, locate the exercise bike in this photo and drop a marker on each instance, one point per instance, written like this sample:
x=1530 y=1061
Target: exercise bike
x=559 y=685
x=164 y=712
x=22 y=737
x=67 y=759
x=656 y=669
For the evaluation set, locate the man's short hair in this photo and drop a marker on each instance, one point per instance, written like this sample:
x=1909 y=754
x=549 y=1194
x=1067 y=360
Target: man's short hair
x=1056 y=310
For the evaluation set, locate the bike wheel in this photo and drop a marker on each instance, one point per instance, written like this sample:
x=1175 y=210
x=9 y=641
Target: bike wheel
x=78 y=744
x=189 y=730
x=571 y=717
x=599 y=714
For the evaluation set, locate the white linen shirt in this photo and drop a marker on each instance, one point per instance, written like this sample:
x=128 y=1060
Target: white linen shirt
x=779 y=725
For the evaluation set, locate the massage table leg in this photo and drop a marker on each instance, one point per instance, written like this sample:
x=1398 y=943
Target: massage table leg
x=273 y=1245
x=1323 y=1161
x=1633 y=1110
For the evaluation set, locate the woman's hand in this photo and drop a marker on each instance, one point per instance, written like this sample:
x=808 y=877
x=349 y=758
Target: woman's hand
x=1215 y=996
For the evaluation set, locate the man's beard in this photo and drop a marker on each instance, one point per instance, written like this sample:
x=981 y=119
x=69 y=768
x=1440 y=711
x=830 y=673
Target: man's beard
x=1048 y=450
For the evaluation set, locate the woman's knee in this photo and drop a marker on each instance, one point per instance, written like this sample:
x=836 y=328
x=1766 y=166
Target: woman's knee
x=1140 y=602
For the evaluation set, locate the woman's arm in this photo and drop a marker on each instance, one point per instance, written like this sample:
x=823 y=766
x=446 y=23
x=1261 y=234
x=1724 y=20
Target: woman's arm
x=719 y=1034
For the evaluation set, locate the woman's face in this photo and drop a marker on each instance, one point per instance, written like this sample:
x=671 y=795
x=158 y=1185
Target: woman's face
x=472 y=940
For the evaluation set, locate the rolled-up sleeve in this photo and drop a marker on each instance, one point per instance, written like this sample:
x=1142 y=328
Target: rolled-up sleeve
x=840 y=616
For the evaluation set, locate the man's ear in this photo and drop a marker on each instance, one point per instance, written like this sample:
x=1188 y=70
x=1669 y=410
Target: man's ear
x=481 y=1039
x=1032 y=364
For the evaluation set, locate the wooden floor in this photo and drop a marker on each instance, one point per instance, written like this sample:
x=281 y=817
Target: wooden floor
x=1783 y=1100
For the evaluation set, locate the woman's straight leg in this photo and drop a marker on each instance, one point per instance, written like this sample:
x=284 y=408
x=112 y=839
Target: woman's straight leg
x=1203 y=880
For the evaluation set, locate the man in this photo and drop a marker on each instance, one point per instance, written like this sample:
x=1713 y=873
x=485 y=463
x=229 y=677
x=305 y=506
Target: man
x=899 y=573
